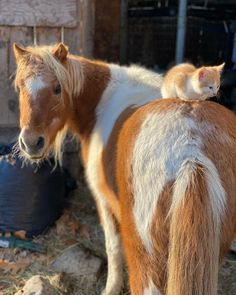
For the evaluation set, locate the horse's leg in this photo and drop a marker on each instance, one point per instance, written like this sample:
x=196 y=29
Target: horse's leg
x=145 y=272
x=143 y=269
x=114 y=282
x=147 y=269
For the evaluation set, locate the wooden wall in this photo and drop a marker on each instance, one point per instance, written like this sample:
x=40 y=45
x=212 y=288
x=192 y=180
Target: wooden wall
x=107 y=30
x=17 y=21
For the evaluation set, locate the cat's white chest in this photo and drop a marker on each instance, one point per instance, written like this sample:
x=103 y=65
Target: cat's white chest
x=190 y=93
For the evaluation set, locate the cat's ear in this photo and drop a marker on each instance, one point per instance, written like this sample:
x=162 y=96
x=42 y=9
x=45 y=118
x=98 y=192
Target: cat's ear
x=202 y=73
x=220 y=67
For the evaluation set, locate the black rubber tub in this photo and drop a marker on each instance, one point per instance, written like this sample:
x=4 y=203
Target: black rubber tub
x=31 y=197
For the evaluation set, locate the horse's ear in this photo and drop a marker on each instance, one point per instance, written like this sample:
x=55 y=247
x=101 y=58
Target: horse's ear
x=19 y=52
x=60 y=51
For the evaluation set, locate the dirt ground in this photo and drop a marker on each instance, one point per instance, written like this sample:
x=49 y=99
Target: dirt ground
x=79 y=225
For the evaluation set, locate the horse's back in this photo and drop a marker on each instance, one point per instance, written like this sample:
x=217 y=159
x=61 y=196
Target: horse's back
x=172 y=131
x=155 y=140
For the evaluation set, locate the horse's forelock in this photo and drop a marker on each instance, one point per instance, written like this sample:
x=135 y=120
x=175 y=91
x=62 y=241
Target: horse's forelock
x=69 y=74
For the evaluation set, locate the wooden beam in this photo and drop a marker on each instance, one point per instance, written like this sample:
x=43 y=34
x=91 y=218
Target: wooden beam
x=56 y=13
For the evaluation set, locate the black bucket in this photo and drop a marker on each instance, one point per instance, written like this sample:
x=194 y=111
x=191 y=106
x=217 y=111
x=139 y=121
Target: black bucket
x=31 y=196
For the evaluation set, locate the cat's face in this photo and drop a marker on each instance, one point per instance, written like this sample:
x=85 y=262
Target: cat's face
x=207 y=80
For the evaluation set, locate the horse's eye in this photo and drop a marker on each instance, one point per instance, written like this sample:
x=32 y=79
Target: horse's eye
x=57 y=90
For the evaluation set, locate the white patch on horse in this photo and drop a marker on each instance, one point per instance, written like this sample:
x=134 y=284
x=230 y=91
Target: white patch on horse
x=113 y=250
x=127 y=87
x=151 y=290
x=133 y=86
x=33 y=85
x=166 y=141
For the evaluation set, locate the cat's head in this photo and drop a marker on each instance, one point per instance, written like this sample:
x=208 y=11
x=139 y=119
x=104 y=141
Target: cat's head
x=207 y=80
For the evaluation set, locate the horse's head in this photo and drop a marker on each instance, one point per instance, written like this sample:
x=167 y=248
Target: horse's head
x=44 y=96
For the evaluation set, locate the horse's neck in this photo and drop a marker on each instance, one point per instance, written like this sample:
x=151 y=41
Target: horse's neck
x=96 y=76
x=107 y=91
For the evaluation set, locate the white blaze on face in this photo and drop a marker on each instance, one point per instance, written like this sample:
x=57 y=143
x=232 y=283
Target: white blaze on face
x=33 y=85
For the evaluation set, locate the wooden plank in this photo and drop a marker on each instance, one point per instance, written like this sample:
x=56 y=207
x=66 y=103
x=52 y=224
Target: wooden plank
x=56 y=13
x=22 y=36
x=81 y=39
x=88 y=27
x=48 y=36
x=4 y=84
x=4 y=40
x=72 y=36
x=72 y=39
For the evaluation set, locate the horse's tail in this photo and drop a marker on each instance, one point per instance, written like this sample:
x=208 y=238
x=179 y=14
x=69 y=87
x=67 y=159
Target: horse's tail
x=198 y=201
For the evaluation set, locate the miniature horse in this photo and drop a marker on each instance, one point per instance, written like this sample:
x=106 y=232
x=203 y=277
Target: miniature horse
x=163 y=172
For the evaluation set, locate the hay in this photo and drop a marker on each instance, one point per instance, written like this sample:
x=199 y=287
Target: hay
x=81 y=213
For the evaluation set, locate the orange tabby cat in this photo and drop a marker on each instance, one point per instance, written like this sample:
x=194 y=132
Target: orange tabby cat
x=189 y=83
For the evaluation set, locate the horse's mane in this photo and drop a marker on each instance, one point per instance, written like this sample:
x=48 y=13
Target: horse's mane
x=70 y=76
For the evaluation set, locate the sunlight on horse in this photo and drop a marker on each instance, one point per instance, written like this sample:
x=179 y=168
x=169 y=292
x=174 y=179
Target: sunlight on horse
x=162 y=172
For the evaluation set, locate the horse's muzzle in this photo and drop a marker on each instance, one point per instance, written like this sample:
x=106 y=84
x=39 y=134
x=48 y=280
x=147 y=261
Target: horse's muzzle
x=32 y=145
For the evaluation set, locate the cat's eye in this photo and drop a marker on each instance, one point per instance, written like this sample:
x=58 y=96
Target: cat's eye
x=210 y=87
x=57 y=89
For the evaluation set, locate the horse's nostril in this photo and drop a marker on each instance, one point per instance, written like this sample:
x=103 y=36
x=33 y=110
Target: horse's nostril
x=40 y=142
x=31 y=145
